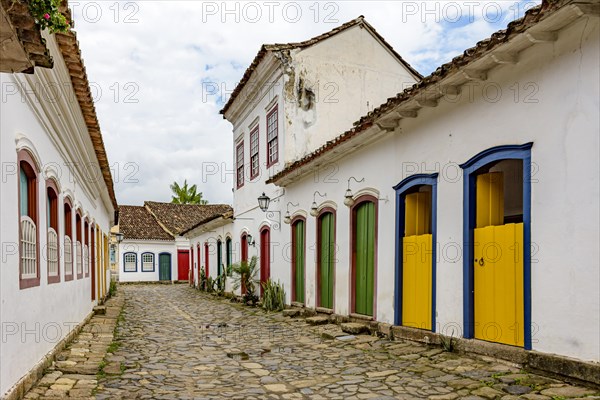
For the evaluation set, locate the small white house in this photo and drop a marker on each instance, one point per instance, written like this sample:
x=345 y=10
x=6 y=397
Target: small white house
x=57 y=199
x=153 y=248
x=465 y=205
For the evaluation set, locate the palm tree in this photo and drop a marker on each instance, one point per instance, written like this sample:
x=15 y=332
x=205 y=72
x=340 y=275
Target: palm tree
x=186 y=195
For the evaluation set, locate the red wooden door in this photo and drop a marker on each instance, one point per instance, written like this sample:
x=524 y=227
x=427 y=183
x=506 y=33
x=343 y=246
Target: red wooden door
x=244 y=247
x=265 y=257
x=183 y=264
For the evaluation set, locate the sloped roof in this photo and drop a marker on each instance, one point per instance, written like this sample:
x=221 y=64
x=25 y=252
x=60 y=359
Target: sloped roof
x=178 y=218
x=69 y=48
x=482 y=48
x=135 y=222
x=265 y=48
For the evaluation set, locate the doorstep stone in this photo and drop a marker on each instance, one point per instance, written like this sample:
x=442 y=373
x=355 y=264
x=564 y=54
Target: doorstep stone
x=318 y=320
x=354 y=328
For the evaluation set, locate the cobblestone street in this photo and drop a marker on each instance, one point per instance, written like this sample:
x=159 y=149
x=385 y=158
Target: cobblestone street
x=175 y=342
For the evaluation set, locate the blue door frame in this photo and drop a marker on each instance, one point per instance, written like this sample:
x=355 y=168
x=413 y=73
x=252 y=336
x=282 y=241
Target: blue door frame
x=470 y=169
x=401 y=189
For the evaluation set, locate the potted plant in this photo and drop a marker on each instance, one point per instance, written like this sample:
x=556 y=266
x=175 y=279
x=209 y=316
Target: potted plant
x=244 y=277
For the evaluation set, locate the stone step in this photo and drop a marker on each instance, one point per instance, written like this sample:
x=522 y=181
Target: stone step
x=318 y=320
x=291 y=313
x=100 y=310
x=354 y=328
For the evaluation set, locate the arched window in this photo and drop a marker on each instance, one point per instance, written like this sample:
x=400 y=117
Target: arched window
x=219 y=257
x=129 y=262
x=86 y=248
x=29 y=274
x=68 y=246
x=52 y=253
x=78 y=248
x=147 y=262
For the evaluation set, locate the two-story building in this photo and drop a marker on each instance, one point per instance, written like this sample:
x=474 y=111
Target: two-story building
x=466 y=205
x=57 y=199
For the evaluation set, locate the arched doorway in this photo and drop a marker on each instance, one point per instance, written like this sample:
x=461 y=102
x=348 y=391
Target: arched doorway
x=265 y=256
x=364 y=245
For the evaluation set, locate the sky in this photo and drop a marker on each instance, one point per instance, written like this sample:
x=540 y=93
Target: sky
x=160 y=71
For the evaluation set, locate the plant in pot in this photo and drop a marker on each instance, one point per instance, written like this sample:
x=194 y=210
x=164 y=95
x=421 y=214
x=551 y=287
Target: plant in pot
x=244 y=277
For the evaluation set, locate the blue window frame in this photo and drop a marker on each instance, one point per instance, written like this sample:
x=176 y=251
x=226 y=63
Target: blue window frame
x=130 y=262
x=148 y=262
x=470 y=169
x=401 y=190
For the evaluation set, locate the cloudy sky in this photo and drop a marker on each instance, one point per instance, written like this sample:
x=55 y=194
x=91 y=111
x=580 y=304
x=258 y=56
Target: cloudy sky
x=152 y=64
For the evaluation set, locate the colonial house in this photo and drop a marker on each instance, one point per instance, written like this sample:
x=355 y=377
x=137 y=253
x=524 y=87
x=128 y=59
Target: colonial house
x=57 y=197
x=153 y=248
x=465 y=205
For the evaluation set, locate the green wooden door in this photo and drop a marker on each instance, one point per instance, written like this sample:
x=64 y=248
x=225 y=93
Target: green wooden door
x=364 y=267
x=299 y=261
x=219 y=258
x=327 y=258
x=164 y=267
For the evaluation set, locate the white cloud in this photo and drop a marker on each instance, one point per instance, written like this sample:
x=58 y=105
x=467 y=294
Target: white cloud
x=161 y=60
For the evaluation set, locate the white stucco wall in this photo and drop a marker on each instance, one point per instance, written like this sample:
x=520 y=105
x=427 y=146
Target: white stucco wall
x=350 y=74
x=35 y=319
x=140 y=247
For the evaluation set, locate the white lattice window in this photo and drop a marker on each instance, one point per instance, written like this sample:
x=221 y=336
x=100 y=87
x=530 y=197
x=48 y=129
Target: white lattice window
x=130 y=262
x=86 y=259
x=52 y=255
x=240 y=165
x=147 y=262
x=272 y=138
x=68 y=256
x=254 y=161
x=28 y=248
x=78 y=258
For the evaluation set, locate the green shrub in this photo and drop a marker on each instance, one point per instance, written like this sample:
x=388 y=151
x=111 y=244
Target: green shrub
x=220 y=282
x=202 y=280
x=112 y=290
x=244 y=276
x=273 y=298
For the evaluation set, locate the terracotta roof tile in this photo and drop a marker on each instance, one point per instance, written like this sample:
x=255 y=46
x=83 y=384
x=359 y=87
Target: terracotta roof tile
x=265 y=48
x=178 y=218
x=531 y=18
x=136 y=222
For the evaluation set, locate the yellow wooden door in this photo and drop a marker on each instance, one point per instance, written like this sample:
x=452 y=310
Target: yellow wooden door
x=417 y=262
x=498 y=267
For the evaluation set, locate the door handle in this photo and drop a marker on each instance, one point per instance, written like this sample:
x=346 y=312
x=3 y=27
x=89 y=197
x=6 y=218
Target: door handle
x=480 y=261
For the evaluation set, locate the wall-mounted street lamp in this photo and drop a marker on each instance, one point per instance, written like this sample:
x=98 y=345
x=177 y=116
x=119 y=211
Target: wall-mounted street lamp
x=348 y=197
x=251 y=241
x=263 y=204
x=288 y=218
x=314 y=211
x=119 y=236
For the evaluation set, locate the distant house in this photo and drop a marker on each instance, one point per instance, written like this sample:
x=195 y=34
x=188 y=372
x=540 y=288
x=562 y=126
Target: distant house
x=57 y=198
x=153 y=248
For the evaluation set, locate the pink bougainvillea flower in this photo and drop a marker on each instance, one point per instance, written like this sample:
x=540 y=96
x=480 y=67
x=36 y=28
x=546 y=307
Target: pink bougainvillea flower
x=46 y=16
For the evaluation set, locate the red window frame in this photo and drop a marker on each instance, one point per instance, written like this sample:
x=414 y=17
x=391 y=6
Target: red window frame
x=272 y=137
x=239 y=164
x=52 y=198
x=68 y=213
x=86 y=236
x=78 y=238
x=26 y=161
x=254 y=153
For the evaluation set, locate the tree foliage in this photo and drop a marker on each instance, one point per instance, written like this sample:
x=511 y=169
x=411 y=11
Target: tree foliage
x=186 y=194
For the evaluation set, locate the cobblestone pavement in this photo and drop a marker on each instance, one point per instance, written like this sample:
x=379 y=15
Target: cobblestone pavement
x=73 y=374
x=178 y=343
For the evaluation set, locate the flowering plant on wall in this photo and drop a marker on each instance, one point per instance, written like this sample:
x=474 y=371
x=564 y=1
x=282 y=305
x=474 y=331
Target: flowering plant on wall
x=47 y=15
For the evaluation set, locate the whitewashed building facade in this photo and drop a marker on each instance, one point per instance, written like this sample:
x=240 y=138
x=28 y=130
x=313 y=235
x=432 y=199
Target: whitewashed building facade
x=56 y=194
x=466 y=205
